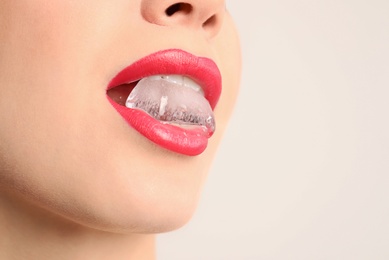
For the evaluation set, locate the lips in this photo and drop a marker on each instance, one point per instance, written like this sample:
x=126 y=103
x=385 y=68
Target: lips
x=184 y=140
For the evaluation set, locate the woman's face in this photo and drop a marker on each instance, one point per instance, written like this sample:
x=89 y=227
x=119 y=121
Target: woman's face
x=67 y=148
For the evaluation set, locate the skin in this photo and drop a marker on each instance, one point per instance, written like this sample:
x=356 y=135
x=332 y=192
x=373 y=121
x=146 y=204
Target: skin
x=76 y=182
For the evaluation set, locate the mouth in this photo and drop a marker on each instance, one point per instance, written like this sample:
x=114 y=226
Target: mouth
x=169 y=98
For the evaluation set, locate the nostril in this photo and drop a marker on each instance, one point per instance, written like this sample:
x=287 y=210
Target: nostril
x=210 y=22
x=212 y=25
x=179 y=8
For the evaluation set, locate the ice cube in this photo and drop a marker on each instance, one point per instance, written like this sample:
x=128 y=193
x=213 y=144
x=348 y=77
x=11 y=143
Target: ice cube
x=172 y=103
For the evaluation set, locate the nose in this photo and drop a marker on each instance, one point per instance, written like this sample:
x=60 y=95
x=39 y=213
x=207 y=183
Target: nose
x=205 y=15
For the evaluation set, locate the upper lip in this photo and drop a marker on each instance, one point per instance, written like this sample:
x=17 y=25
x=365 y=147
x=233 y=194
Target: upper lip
x=202 y=70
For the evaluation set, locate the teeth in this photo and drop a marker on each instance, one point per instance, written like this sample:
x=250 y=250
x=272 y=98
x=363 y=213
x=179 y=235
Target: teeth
x=180 y=80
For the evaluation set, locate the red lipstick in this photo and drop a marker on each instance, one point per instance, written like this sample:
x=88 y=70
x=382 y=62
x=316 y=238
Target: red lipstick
x=187 y=141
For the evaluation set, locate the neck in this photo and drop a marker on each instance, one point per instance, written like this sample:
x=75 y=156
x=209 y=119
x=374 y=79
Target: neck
x=28 y=232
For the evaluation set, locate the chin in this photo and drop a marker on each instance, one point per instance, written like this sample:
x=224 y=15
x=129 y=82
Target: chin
x=143 y=220
x=156 y=191
x=126 y=197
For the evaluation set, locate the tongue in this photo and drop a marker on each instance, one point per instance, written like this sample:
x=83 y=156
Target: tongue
x=173 y=103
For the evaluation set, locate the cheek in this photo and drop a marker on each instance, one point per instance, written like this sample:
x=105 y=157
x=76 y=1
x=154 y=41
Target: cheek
x=229 y=58
x=50 y=83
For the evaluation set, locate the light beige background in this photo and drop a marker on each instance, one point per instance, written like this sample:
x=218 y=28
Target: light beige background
x=304 y=170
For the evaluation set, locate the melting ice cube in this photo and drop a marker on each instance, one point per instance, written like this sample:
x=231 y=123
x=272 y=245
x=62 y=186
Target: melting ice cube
x=173 y=102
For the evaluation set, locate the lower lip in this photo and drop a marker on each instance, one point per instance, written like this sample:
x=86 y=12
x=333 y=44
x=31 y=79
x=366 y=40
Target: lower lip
x=189 y=142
